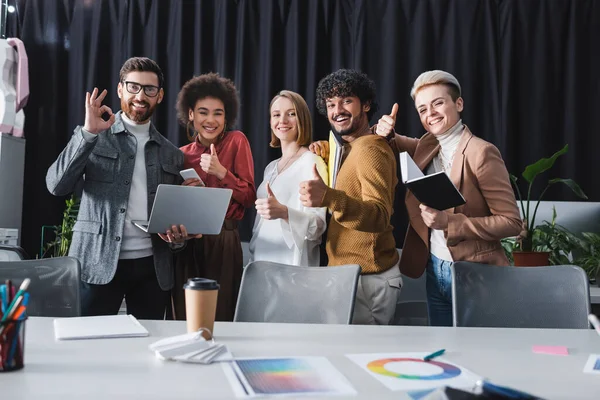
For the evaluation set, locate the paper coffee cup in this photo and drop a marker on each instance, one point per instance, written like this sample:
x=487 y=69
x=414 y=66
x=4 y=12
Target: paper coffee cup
x=200 y=304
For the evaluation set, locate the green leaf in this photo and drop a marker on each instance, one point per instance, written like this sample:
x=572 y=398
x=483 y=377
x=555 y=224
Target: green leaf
x=571 y=184
x=544 y=164
x=63 y=232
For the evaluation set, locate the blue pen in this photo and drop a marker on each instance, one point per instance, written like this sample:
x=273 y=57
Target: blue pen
x=3 y=298
x=13 y=347
x=20 y=293
x=24 y=304
x=433 y=355
x=25 y=299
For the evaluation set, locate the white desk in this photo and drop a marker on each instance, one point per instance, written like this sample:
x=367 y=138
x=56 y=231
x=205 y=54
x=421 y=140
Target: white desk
x=124 y=368
x=594 y=294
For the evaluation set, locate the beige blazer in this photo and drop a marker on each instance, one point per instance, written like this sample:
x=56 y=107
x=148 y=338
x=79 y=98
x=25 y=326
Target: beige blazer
x=475 y=228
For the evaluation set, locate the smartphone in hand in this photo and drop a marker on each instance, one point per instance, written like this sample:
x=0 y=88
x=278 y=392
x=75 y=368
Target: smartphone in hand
x=191 y=173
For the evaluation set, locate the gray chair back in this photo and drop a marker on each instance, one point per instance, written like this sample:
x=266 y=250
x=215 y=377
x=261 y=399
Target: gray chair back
x=411 y=308
x=54 y=287
x=12 y=253
x=245 y=253
x=520 y=297
x=273 y=292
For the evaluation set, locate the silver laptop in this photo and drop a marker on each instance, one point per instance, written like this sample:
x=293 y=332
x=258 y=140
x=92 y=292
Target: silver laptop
x=199 y=209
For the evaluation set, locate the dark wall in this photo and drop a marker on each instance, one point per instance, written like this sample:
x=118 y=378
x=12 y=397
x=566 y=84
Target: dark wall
x=529 y=70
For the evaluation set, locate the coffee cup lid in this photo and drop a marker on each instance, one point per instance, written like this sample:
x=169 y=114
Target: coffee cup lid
x=201 y=284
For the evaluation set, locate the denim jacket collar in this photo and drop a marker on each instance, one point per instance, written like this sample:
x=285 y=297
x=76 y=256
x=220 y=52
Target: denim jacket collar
x=119 y=127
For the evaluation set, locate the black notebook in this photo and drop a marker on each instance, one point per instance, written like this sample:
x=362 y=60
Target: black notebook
x=434 y=190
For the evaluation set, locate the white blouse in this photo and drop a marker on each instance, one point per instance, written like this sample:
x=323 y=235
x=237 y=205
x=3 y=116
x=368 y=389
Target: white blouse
x=295 y=242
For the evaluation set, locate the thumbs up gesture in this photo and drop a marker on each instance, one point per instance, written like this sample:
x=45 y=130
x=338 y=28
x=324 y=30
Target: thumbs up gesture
x=270 y=208
x=313 y=190
x=385 y=126
x=211 y=165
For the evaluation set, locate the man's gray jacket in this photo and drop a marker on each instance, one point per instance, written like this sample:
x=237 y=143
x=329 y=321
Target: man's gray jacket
x=104 y=168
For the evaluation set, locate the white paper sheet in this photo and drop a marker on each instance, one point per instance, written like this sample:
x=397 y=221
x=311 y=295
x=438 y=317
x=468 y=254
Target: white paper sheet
x=592 y=366
x=408 y=371
x=100 y=327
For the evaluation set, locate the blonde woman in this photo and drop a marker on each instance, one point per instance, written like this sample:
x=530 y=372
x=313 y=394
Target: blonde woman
x=284 y=230
x=471 y=232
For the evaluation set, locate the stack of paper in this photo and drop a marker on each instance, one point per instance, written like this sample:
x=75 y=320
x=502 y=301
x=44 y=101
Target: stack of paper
x=106 y=326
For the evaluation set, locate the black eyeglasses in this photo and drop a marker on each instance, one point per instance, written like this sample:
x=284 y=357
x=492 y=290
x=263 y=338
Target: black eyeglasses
x=134 y=88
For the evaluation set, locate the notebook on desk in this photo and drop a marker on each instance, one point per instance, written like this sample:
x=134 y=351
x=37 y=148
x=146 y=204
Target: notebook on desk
x=100 y=327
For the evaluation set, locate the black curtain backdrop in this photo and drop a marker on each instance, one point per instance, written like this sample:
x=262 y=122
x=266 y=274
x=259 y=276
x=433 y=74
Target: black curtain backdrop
x=528 y=69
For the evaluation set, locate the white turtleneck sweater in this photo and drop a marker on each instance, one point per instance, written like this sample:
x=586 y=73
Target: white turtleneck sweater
x=443 y=162
x=137 y=243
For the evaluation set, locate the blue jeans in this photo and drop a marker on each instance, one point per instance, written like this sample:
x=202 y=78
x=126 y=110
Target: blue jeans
x=439 y=292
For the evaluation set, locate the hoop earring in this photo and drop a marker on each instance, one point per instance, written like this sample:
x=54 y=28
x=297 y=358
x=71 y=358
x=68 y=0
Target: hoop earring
x=222 y=135
x=191 y=138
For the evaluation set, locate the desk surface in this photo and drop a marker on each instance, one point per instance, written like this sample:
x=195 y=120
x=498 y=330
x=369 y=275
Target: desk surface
x=125 y=368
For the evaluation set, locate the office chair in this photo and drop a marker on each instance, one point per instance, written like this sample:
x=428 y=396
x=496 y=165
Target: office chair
x=411 y=308
x=273 y=292
x=54 y=287
x=12 y=253
x=520 y=297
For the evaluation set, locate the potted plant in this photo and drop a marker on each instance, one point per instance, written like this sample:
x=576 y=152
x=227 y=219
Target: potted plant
x=556 y=240
x=589 y=255
x=550 y=238
x=63 y=233
x=524 y=254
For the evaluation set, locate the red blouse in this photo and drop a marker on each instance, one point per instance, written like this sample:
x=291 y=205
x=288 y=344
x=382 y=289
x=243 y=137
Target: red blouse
x=235 y=155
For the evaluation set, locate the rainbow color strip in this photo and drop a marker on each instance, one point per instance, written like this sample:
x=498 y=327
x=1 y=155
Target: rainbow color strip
x=282 y=375
x=448 y=370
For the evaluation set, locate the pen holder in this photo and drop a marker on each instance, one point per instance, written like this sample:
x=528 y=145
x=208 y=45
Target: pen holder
x=12 y=345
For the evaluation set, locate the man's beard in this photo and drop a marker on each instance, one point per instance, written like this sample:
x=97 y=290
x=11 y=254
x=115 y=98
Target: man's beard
x=345 y=132
x=137 y=116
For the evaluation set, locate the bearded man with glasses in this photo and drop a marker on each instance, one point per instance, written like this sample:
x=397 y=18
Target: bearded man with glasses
x=119 y=162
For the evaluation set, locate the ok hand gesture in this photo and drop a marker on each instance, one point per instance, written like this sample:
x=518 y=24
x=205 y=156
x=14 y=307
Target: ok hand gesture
x=94 y=123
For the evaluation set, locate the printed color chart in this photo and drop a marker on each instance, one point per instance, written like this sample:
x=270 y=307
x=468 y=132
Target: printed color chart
x=411 y=373
x=286 y=376
x=448 y=370
x=282 y=375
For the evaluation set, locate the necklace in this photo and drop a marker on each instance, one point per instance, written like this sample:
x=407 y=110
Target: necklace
x=446 y=164
x=280 y=170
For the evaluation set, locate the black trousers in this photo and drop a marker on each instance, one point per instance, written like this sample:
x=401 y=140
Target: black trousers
x=135 y=280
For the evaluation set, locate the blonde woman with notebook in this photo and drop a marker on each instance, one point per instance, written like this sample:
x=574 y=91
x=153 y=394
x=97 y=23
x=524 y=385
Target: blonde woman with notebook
x=468 y=232
x=284 y=230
